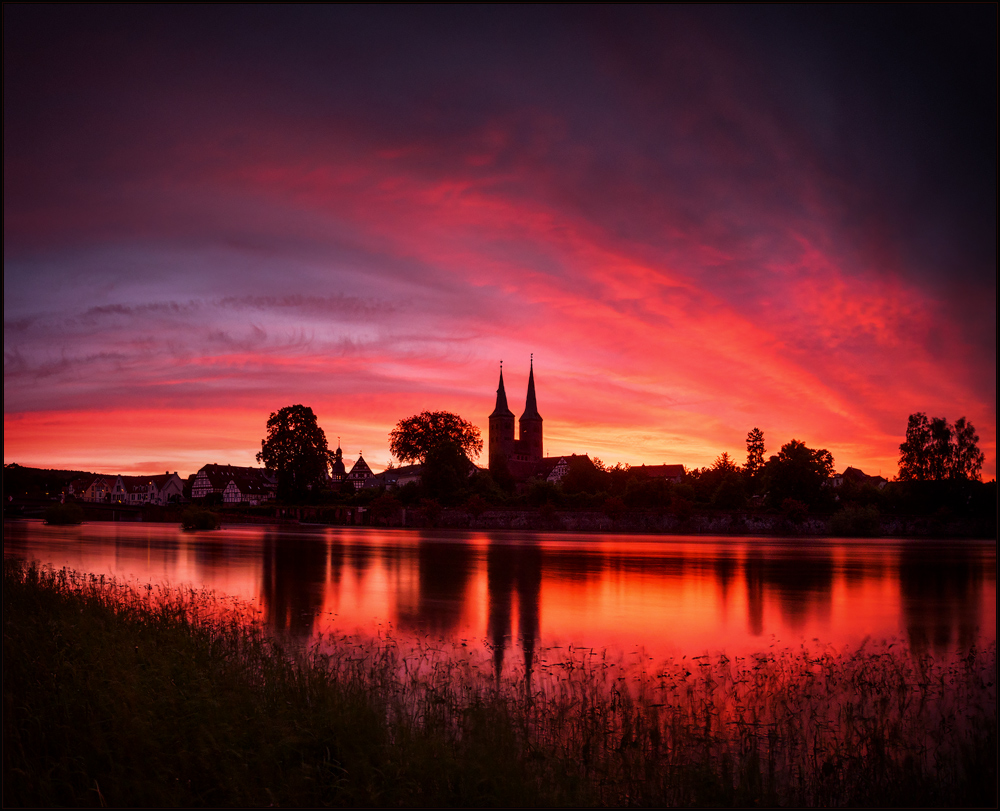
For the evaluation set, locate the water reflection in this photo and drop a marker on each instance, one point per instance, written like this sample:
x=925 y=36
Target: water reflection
x=513 y=572
x=292 y=584
x=941 y=593
x=801 y=584
x=515 y=593
x=443 y=575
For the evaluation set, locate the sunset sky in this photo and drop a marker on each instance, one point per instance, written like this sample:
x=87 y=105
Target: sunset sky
x=699 y=219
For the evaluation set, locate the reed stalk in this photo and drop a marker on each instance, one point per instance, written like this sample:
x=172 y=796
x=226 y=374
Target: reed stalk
x=148 y=696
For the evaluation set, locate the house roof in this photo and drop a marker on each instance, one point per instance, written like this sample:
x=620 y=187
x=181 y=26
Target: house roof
x=220 y=475
x=393 y=475
x=361 y=468
x=545 y=466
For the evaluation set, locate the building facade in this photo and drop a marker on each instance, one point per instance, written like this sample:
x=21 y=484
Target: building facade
x=234 y=485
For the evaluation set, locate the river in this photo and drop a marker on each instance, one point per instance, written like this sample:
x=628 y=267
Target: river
x=654 y=596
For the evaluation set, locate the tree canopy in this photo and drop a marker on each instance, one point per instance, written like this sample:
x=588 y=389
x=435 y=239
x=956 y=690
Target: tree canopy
x=798 y=472
x=295 y=448
x=935 y=450
x=414 y=438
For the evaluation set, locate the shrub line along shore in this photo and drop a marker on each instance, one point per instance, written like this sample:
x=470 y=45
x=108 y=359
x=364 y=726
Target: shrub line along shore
x=124 y=696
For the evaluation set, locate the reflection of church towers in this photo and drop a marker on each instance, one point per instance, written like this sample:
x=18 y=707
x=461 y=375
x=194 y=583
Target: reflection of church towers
x=513 y=571
x=517 y=455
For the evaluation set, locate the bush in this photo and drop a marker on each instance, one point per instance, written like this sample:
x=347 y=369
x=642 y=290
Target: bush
x=856 y=522
x=198 y=518
x=64 y=514
x=794 y=510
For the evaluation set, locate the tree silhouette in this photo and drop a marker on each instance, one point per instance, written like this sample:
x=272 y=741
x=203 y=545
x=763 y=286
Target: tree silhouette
x=798 y=472
x=934 y=450
x=414 y=438
x=295 y=448
x=967 y=460
x=443 y=443
x=755 y=452
x=914 y=452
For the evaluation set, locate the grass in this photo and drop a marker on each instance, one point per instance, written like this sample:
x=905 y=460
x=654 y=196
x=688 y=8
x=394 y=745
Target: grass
x=123 y=696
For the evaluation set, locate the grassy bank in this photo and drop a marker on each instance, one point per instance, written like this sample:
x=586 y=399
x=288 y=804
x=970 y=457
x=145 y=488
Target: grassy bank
x=120 y=696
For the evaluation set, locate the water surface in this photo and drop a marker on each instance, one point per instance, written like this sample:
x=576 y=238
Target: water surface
x=518 y=591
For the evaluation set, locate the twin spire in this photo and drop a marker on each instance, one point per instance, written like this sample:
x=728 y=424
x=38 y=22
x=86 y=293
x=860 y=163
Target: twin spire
x=530 y=406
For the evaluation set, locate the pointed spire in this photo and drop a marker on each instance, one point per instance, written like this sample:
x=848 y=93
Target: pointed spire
x=530 y=406
x=501 y=409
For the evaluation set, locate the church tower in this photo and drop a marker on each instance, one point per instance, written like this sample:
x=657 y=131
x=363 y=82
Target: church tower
x=530 y=424
x=501 y=429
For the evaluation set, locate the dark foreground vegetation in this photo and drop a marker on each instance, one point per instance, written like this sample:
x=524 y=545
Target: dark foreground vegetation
x=145 y=697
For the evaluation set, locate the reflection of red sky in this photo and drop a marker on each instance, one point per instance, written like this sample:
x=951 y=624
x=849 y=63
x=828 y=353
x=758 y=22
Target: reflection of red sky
x=628 y=599
x=143 y=558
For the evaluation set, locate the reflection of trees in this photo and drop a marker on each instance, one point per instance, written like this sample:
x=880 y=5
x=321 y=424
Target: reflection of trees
x=724 y=567
x=443 y=571
x=148 y=553
x=294 y=575
x=754 y=571
x=799 y=584
x=941 y=590
x=513 y=570
x=215 y=555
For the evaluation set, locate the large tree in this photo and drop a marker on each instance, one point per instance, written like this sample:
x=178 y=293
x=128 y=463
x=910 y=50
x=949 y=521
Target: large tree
x=966 y=460
x=295 y=448
x=415 y=437
x=935 y=450
x=915 y=450
x=798 y=472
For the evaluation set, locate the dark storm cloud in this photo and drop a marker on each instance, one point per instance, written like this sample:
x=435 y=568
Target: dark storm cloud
x=899 y=100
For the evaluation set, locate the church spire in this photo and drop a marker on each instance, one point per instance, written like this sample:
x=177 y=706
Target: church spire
x=530 y=406
x=501 y=409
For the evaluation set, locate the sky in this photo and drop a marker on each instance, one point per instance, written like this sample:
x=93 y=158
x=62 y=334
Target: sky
x=697 y=219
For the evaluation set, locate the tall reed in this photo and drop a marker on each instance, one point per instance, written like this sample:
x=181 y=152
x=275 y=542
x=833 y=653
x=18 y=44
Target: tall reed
x=124 y=695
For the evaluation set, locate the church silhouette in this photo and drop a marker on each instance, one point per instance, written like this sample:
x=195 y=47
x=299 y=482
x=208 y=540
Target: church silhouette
x=521 y=456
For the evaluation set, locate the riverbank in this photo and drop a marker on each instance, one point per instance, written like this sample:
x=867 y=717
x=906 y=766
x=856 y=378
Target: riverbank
x=123 y=696
x=714 y=523
x=748 y=524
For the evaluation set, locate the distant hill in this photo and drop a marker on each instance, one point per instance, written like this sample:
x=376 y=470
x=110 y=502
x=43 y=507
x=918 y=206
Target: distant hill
x=33 y=482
